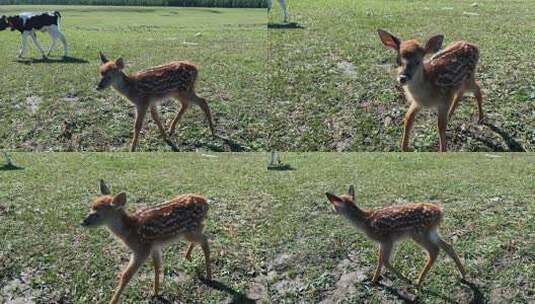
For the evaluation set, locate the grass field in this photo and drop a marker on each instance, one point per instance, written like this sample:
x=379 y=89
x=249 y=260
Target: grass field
x=272 y=233
x=53 y=105
x=337 y=80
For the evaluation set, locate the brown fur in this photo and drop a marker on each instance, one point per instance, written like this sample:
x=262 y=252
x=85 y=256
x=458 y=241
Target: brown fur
x=439 y=82
x=145 y=88
x=148 y=230
x=386 y=226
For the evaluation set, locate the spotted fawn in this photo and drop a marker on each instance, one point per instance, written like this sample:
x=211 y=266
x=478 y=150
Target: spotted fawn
x=386 y=226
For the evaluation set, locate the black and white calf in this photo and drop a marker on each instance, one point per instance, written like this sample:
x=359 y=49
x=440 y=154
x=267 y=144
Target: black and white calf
x=283 y=7
x=29 y=23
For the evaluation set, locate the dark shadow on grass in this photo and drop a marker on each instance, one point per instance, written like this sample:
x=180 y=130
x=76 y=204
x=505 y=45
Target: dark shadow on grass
x=479 y=297
x=10 y=167
x=237 y=297
x=291 y=25
x=510 y=142
x=280 y=167
x=52 y=60
x=232 y=145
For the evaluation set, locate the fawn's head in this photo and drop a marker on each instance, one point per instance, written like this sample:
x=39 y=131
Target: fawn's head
x=410 y=54
x=343 y=204
x=105 y=208
x=109 y=70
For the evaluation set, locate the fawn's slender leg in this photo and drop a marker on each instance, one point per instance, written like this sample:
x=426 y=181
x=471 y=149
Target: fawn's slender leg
x=426 y=241
x=387 y=251
x=479 y=100
x=135 y=262
x=157 y=121
x=201 y=102
x=380 y=264
x=442 y=126
x=157 y=261
x=183 y=109
x=455 y=102
x=451 y=252
x=199 y=237
x=141 y=110
x=408 y=122
x=187 y=255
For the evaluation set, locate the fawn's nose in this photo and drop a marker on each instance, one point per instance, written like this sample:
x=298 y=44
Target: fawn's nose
x=403 y=79
x=84 y=223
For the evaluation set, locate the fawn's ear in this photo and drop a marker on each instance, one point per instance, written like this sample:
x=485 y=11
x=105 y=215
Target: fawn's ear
x=351 y=192
x=335 y=200
x=434 y=44
x=119 y=63
x=389 y=40
x=103 y=57
x=119 y=200
x=104 y=188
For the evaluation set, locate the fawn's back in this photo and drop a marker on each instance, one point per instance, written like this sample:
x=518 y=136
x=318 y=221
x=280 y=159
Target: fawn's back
x=401 y=221
x=454 y=65
x=165 y=79
x=167 y=221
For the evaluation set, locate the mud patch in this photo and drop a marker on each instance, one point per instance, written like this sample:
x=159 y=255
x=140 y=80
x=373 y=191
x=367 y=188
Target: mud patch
x=28 y=287
x=347 y=69
x=347 y=279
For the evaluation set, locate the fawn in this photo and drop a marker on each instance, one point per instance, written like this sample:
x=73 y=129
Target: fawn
x=389 y=225
x=145 y=88
x=147 y=231
x=438 y=82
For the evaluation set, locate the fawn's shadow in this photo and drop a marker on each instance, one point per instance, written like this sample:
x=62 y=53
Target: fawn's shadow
x=479 y=297
x=291 y=25
x=237 y=297
x=232 y=145
x=67 y=59
x=510 y=142
x=402 y=294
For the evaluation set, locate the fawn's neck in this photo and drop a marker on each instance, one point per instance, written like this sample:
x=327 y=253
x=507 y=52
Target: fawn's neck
x=123 y=228
x=123 y=85
x=357 y=217
x=420 y=87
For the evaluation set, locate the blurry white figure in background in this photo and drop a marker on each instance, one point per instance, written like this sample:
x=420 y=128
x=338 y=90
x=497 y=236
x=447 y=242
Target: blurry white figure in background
x=283 y=7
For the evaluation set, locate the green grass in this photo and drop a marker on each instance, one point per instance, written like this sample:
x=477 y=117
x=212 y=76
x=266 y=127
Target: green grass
x=362 y=110
x=270 y=231
x=188 y=3
x=53 y=106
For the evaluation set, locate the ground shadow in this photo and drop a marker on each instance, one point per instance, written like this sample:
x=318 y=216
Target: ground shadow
x=280 y=167
x=510 y=142
x=407 y=297
x=478 y=296
x=10 y=167
x=291 y=25
x=67 y=59
x=237 y=297
x=232 y=145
